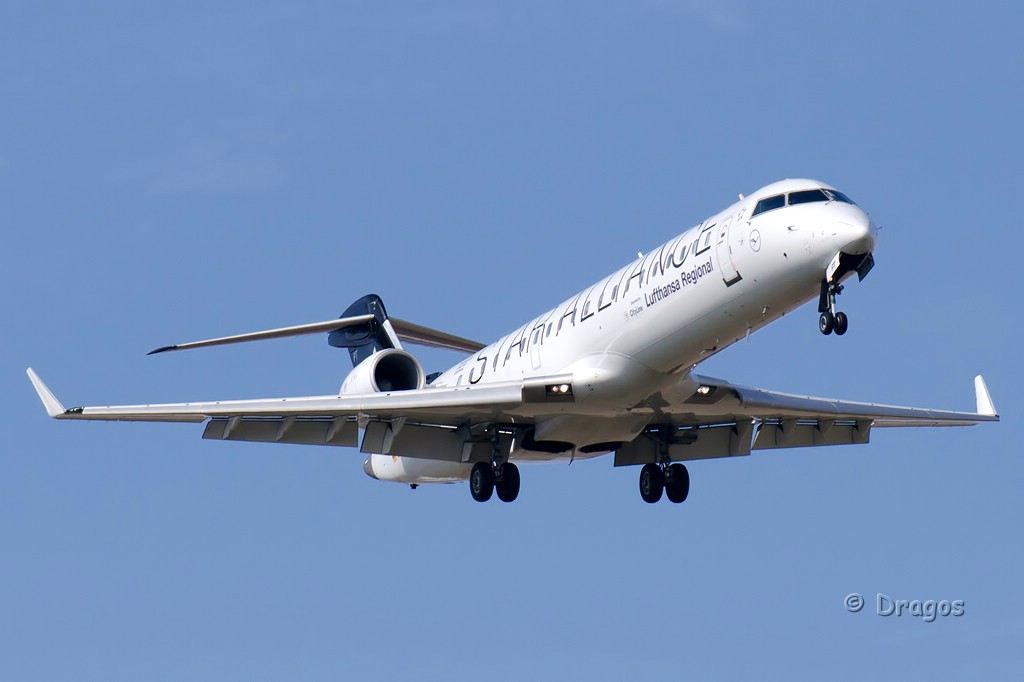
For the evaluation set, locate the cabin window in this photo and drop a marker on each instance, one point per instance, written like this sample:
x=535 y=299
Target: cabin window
x=769 y=204
x=807 y=197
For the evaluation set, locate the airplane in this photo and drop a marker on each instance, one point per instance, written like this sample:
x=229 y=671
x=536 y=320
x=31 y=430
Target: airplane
x=609 y=370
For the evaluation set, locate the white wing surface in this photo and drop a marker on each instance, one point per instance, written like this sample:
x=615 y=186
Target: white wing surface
x=724 y=398
x=443 y=404
x=719 y=419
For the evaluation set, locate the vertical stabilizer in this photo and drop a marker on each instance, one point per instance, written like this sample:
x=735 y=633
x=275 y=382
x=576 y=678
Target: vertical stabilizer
x=365 y=339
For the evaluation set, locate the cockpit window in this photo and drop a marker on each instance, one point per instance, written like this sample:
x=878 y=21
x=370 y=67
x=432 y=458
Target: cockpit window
x=769 y=204
x=839 y=196
x=807 y=197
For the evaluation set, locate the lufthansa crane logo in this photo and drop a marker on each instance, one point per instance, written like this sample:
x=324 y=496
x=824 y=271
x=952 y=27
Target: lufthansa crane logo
x=755 y=240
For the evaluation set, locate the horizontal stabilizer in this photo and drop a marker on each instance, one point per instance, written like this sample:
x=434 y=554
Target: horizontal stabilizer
x=425 y=336
x=406 y=331
x=297 y=330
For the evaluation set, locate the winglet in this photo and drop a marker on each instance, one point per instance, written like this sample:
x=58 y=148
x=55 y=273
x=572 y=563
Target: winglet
x=50 y=402
x=985 y=405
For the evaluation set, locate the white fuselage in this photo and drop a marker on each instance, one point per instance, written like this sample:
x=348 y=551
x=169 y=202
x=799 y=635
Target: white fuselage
x=643 y=328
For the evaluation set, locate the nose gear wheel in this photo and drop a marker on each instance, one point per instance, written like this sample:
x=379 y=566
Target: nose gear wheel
x=830 y=319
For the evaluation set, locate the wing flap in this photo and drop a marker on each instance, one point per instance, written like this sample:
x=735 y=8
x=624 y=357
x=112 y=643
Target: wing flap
x=793 y=434
x=304 y=431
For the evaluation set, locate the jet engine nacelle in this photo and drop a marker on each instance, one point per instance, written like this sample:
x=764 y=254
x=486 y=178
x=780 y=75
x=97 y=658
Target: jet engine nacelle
x=384 y=372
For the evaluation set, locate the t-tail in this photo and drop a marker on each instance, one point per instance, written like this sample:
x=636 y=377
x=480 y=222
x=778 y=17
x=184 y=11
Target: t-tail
x=363 y=339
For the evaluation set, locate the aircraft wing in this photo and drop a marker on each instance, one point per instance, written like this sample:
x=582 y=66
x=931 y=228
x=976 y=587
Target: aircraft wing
x=719 y=420
x=443 y=404
x=762 y=404
x=428 y=422
x=722 y=419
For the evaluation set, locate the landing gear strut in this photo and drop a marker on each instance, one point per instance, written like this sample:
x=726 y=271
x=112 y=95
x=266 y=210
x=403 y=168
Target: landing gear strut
x=672 y=479
x=830 y=320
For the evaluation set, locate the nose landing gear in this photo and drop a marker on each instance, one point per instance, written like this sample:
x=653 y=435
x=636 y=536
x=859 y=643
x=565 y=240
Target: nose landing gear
x=830 y=319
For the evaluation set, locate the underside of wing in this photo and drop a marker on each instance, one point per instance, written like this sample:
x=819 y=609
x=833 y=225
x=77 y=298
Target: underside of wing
x=722 y=419
x=717 y=398
x=717 y=419
x=445 y=423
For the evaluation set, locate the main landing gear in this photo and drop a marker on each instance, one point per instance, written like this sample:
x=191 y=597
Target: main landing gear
x=672 y=479
x=830 y=320
x=497 y=475
x=486 y=479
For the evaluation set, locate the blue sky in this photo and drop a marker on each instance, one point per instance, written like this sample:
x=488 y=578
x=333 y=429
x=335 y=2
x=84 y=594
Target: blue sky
x=183 y=170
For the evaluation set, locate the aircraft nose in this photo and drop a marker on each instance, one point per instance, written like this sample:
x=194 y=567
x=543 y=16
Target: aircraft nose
x=856 y=236
x=368 y=467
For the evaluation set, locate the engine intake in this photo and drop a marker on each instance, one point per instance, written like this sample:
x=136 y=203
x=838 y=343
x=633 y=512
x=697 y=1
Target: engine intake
x=384 y=372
